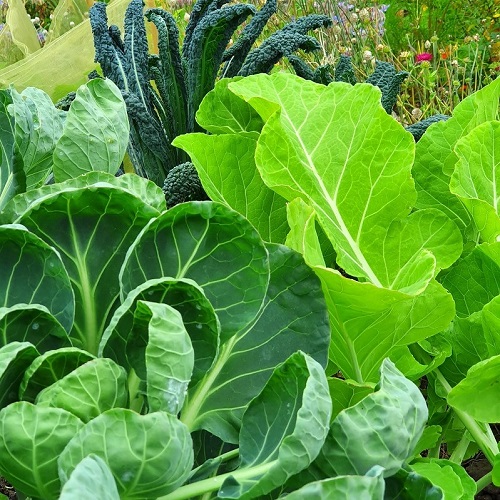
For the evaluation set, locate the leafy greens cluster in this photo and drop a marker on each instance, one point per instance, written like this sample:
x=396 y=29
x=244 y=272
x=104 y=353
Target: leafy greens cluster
x=40 y=143
x=182 y=76
x=413 y=229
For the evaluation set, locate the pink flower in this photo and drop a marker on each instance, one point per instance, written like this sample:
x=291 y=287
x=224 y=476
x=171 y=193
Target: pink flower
x=424 y=56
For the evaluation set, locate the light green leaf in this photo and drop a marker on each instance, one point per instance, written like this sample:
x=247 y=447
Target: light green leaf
x=468 y=342
x=283 y=428
x=39 y=125
x=23 y=32
x=475 y=279
x=475 y=179
x=342 y=154
x=161 y=353
x=12 y=176
x=490 y=321
x=95 y=134
x=478 y=394
x=408 y=485
x=88 y=390
x=346 y=393
x=90 y=480
x=15 y=358
x=303 y=236
x=31 y=440
x=430 y=437
x=32 y=323
x=33 y=273
x=449 y=476
x=226 y=166
x=210 y=244
x=359 y=487
x=148 y=455
x=92 y=228
x=435 y=157
x=222 y=112
x=367 y=322
x=382 y=429
x=197 y=314
x=49 y=368
x=294 y=303
x=51 y=70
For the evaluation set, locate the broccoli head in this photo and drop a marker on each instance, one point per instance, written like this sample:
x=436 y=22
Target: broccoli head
x=183 y=184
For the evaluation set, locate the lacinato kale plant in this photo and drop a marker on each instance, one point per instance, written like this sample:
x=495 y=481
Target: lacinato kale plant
x=164 y=91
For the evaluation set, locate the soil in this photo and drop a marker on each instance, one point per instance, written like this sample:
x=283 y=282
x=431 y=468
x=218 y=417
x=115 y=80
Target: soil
x=477 y=467
x=7 y=490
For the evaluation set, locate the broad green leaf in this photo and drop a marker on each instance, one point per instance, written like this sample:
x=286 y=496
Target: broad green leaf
x=303 y=236
x=162 y=355
x=435 y=156
x=474 y=280
x=438 y=348
x=351 y=162
x=346 y=393
x=92 y=228
x=31 y=440
x=222 y=112
x=33 y=273
x=367 y=322
x=51 y=70
x=39 y=125
x=12 y=176
x=283 y=428
x=142 y=188
x=32 y=323
x=212 y=245
x=469 y=346
x=475 y=181
x=478 y=393
x=148 y=455
x=23 y=32
x=91 y=479
x=430 y=437
x=15 y=358
x=48 y=368
x=197 y=314
x=226 y=166
x=382 y=429
x=449 y=476
x=408 y=485
x=359 y=487
x=95 y=134
x=293 y=317
x=89 y=390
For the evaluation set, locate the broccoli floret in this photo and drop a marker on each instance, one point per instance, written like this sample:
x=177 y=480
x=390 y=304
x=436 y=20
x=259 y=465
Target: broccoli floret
x=183 y=184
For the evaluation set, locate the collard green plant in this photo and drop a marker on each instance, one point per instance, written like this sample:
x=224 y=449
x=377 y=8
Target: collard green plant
x=182 y=76
x=402 y=283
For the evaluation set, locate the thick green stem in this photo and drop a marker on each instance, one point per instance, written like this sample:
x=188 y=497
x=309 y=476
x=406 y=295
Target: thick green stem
x=214 y=483
x=461 y=449
x=481 y=435
x=483 y=482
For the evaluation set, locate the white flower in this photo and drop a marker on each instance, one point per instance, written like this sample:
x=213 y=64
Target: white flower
x=367 y=55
